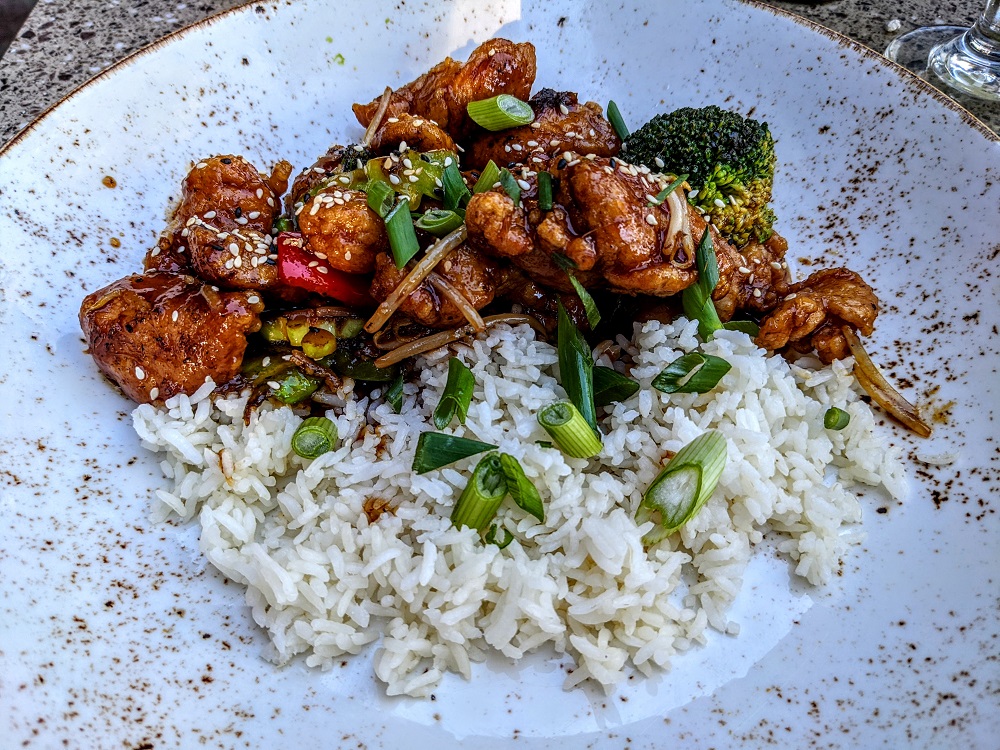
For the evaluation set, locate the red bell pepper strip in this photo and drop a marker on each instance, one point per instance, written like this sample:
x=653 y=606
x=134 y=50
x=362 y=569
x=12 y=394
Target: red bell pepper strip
x=300 y=268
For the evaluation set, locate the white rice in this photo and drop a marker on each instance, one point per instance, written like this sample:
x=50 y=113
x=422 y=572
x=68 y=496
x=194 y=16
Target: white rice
x=324 y=582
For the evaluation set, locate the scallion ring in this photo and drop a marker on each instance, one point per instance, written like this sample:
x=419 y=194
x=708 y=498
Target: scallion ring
x=525 y=494
x=314 y=437
x=436 y=449
x=492 y=536
x=479 y=501
x=545 y=190
x=509 y=183
x=500 y=112
x=836 y=419
x=456 y=192
x=570 y=431
x=439 y=222
x=457 y=394
x=487 y=178
x=681 y=489
x=693 y=373
x=616 y=120
x=402 y=237
x=380 y=197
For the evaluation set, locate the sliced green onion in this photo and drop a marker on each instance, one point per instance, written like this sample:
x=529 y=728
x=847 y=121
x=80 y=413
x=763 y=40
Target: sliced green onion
x=568 y=428
x=697 y=298
x=381 y=197
x=836 y=419
x=295 y=387
x=544 y=444
x=439 y=222
x=394 y=394
x=436 y=449
x=479 y=501
x=615 y=118
x=457 y=394
x=490 y=537
x=611 y=386
x=487 y=178
x=545 y=191
x=563 y=261
x=509 y=183
x=520 y=487
x=576 y=367
x=283 y=224
x=662 y=195
x=402 y=237
x=456 y=192
x=748 y=327
x=314 y=437
x=500 y=112
x=685 y=483
x=589 y=306
x=692 y=373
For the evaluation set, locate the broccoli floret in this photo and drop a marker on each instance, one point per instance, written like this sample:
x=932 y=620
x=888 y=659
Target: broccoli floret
x=729 y=160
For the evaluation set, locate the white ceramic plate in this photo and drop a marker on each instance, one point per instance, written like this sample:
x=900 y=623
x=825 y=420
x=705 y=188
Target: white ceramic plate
x=114 y=634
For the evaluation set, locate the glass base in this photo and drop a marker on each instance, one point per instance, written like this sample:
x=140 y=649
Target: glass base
x=941 y=56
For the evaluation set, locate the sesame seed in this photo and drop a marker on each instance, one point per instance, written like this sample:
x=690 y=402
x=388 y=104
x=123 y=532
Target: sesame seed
x=506 y=149
x=154 y=393
x=517 y=147
x=321 y=256
x=407 y=172
x=571 y=134
x=234 y=248
x=591 y=133
x=242 y=221
x=344 y=180
x=174 y=315
x=393 y=120
x=402 y=146
x=155 y=251
x=237 y=262
x=210 y=214
x=692 y=194
x=323 y=269
x=229 y=264
x=573 y=163
x=658 y=162
x=347 y=255
x=253 y=215
x=777 y=267
x=757 y=293
x=719 y=202
x=492 y=52
x=744 y=269
x=790 y=296
x=260 y=193
x=418 y=122
x=652 y=199
x=200 y=165
x=524 y=185
x=394 y=179
x=532 y=144
x=270 y=201
x=536 y=124
x=273 y=385
x=140 y=373
x=313 y=263
x=265 y=362
x=448 y=161
x=413 y=178
x=438 y=182
x=358 y=147
x=314 y=209
x=181 y=249
x=564 y=109
x=407 y=163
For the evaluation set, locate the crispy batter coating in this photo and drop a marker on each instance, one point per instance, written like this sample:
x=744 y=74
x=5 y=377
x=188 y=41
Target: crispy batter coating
x=160 y=333
x=814 y=310
x=338 y=225
x=497 y=66
x=473 y=275
x=561 y=124
x=227 y=193
x=419 y=133
x=236 y=259
x=601 y=220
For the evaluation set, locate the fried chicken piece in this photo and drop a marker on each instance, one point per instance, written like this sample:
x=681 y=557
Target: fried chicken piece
x=497 y=66
x=561 y=124
x=468 y=272
x=538 y=301
x=418 y=133
x=338 y=225
x=160 y=333
x=813 y=311
x=227 y=193
x=236 y=259
x=326 y=169
x=753 y=278
x=601 y=220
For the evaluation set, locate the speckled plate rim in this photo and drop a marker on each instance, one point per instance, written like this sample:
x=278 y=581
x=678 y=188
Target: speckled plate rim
x=617 y=735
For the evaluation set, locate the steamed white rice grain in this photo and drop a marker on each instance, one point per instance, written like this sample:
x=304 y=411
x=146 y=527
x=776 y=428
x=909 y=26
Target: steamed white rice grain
x=325 y=582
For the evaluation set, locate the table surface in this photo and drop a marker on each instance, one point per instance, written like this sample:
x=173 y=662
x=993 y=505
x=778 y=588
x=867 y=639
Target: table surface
x=63 y=44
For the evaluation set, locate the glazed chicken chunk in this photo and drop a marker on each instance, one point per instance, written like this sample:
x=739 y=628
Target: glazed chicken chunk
x=339 y=227
x=815 y=309
x=161 y=333
x=561 y=124
x=497 y=66
x=225 y=193
x=604 y=219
